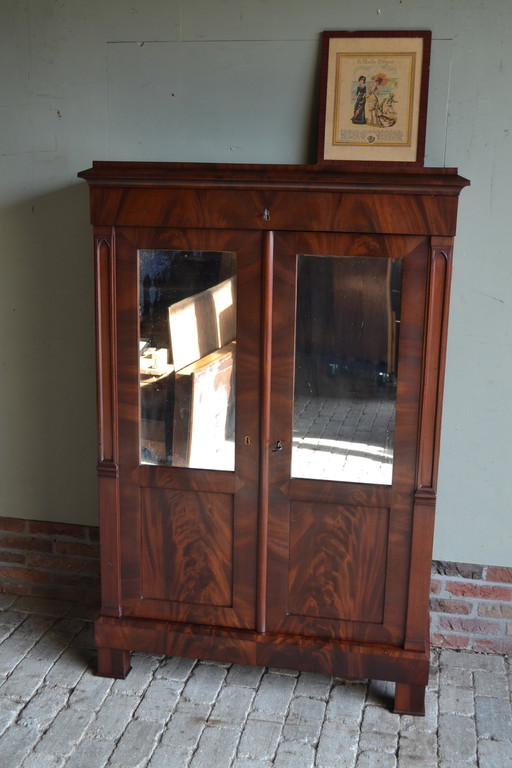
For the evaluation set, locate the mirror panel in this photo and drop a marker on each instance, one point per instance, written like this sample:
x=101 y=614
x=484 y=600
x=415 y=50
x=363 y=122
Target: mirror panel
x=346 y=357
x=187 y=354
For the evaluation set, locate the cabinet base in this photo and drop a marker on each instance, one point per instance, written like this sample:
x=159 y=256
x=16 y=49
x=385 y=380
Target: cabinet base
x=116 y=637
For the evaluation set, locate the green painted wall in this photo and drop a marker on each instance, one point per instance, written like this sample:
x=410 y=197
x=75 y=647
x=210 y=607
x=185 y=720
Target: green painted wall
x=232 y=80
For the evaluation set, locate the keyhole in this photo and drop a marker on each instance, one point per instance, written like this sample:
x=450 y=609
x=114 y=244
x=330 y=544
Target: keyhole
x=277 y=447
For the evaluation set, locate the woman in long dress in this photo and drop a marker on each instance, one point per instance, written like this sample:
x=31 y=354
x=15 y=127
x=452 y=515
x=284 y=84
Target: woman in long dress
x=359 y=117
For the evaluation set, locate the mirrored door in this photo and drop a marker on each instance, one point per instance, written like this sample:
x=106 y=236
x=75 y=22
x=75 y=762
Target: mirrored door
x=347 y=356
x=188 y=415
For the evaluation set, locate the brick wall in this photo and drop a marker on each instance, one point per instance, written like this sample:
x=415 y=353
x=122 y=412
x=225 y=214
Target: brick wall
x=54 y=560
x=471 y=605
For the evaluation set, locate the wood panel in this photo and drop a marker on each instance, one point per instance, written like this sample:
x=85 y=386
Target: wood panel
x=337 y=567
x=187 y=547
x=349 y=211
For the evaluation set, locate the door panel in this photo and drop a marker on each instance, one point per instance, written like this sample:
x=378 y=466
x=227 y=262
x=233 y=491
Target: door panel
x=339 y=539
x=188 y=434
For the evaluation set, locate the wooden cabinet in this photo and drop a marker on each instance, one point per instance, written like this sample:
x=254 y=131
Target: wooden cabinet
x=270 y=368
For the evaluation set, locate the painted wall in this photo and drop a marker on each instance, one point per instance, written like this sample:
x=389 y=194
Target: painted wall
x=232 y=80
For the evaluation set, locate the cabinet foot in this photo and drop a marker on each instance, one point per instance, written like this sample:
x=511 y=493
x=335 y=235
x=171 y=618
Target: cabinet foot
x=409 y=699
x=113 y=663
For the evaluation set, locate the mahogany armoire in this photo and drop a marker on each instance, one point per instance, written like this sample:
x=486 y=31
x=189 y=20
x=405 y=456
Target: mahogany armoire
x=270 y=349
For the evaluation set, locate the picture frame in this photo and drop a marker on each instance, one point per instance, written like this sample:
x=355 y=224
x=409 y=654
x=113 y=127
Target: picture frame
x=373 y=97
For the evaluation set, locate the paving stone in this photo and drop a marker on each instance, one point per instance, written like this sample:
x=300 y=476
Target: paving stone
x=6 y=601
x=314 y=685
x=16 y=743
x=378 y=742
x=136 y=745
x=43 y=761
x=380 y=720
x=494 y=754
x=232 y=707
x=454 y=698
x=430 y=720
x=66 y=730
x=259 y=739
x=304 y=720
x=291 y=754
x=113 y=717
x=91 y=753
x=159 y=701
x=493 y=718
x=471 y=661
x=337 y=747
x=90 y=691
x=19 y=643
x=43 y=606
x=180 y=739
x=9 y=620
x=376 y=760
x=216 y=748
x=457 y=736
x=241 y=674
x=495 y=686
x=204 y=684
x=175 y=668
x=44 y=707
x=9 y=711
x=273 y=696
x=417 y=749
x=243 y=763
x=346 y=703
x=141 y=674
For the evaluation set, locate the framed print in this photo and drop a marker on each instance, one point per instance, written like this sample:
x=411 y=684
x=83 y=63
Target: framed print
x=373 y=99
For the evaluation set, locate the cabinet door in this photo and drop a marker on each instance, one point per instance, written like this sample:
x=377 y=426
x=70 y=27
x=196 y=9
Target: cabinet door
x=188 y=391
x=347 y=345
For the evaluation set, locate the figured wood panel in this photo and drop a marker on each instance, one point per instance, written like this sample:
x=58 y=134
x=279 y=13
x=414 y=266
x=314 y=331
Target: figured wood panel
x=187 y=547
x=337 y=567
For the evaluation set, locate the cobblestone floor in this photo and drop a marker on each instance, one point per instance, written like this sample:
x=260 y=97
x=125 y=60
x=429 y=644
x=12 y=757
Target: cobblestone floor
x=177 y=713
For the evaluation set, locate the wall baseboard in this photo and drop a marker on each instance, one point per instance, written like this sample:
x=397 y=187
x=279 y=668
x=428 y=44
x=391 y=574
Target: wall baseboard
x=471 y=605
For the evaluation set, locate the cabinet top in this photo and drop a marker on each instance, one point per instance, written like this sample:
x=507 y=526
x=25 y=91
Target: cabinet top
x=438 y=181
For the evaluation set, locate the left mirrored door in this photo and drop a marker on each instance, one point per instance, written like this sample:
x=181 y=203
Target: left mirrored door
x=188 y=347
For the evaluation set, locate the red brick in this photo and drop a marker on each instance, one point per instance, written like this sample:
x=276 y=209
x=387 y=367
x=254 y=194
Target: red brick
x=501 y=646
x=472 y=626
x=459 y=607
x=62 y=564
x=496 y=573
x=94 y=533
x=481 y=591
x=22 y=543
x=495 y=610
x=436 y=586
x=74 y=548
x=11 y=557
x=23 y=574
x=12 y=524
x=43 y=528
x=450 y=641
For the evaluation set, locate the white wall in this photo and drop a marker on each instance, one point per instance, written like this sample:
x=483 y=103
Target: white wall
x=236 y=80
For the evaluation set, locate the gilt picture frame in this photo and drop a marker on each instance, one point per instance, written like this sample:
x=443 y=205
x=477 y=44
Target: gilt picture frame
x=373 y=97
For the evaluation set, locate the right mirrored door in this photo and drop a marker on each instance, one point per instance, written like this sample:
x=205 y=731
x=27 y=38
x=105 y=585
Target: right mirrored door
x=347 y=356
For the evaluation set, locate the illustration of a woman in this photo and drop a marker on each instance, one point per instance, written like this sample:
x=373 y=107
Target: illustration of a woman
x=359 y=117
x=377 y=116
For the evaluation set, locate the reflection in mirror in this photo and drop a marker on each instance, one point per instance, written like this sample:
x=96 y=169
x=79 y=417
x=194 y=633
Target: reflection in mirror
x=346 y=355
x=187 y=358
